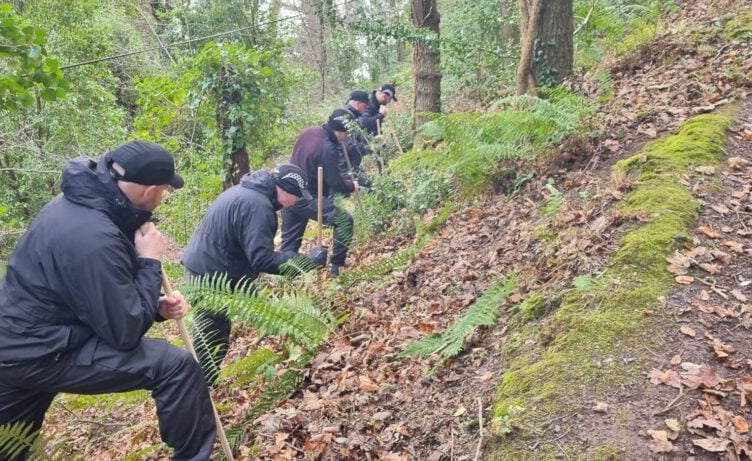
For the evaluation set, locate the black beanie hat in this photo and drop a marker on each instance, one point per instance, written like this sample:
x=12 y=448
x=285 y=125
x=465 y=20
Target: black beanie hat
x=291 y=178
x=339 y=119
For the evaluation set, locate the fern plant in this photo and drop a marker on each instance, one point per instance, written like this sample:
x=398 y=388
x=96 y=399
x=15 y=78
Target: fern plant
x=483 y=312
x=248 y=368
x=382 y=267
x=289 y=313
x=19 y=437
x=475 y=143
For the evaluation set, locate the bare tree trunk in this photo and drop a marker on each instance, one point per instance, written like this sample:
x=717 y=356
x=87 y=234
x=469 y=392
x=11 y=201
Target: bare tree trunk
x=509 y=33
x=425 y=15
x=555 y=50
x=529 y=23
x=400 y=44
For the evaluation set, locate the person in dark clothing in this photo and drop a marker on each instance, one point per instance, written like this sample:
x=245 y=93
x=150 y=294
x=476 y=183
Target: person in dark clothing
x=236 y=239
x=357 y=144
x=82 y=288
x=377 y=111
x=321 y=146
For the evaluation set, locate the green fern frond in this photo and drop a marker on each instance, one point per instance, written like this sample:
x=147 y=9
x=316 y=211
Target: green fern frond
x=107 y=401
x=287 y=384
x=234 y=438
x=144 y=452
x=15 y=438
x=248 y=368
x=296 y=266
x=522 y=126
x=290 y=314
x=384 y=266
x=483 y=312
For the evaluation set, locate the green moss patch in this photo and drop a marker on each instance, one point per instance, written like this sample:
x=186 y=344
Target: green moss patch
x=739 y=27
x=578 y=352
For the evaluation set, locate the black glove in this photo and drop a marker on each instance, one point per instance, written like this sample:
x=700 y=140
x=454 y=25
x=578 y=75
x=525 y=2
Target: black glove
x=363 y=179
x=318 y=255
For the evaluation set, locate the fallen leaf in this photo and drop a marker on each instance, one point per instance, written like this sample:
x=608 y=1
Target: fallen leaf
x=676 y=359
x=714 y=444
x=461 y=410
x=688 y=331
x=720 y=208
x=722 y=350
x=383 y=415
x=737 y=163
x=660 y=443
x=600 y=407
x=366 y=384
x=708 y=232
x=707 y=170
x=710 y=268
x=738 y=295
x=741 y=425
x=684 y=279
x=673 y=424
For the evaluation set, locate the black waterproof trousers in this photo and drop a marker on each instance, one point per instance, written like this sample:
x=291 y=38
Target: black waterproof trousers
x=186 y=420
x=295 y=219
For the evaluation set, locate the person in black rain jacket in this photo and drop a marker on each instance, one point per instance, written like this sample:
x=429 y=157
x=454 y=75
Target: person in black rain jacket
x=236 y=240
x=82 y=288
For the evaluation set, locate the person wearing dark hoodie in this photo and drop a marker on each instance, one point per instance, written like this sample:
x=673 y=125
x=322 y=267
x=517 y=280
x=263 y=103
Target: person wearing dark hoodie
x=236 y=240
x=81 y=289
x=321 y=146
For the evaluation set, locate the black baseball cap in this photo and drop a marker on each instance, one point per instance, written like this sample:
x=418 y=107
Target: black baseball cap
x=359 y=95
x=291 y=178
x=146 y=163
x=389 y=89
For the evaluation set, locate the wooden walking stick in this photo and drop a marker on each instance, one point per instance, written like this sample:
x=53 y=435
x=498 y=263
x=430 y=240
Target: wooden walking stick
x=320 y=198
x=394 y=137
x=350 y=169
x=189 y=345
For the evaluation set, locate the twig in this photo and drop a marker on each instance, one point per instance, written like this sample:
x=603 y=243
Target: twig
x=480 y=429
x=714 y=288
x=671 y=404
x=720 y=50
x=587 y=18
x=27 y=170
x=289 y=445
x=76 y=419
x=451 y=444
x=563 y=451
x=546 y=423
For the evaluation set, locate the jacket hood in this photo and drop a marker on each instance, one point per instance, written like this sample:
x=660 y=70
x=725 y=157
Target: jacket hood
x=330 y=134
x=88 y=183
x=263 y=182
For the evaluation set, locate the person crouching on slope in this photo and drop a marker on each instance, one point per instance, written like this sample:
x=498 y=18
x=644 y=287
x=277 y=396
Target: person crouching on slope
x=83 y=287
x=236 y=240
x=322 y=146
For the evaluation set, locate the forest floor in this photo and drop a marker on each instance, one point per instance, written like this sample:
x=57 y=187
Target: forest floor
x=360 y=400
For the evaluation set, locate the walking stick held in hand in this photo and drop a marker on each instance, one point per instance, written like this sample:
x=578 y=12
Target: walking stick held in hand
x=350 y=169
x=394 y=138
x=189 y=345
x=320 y=183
